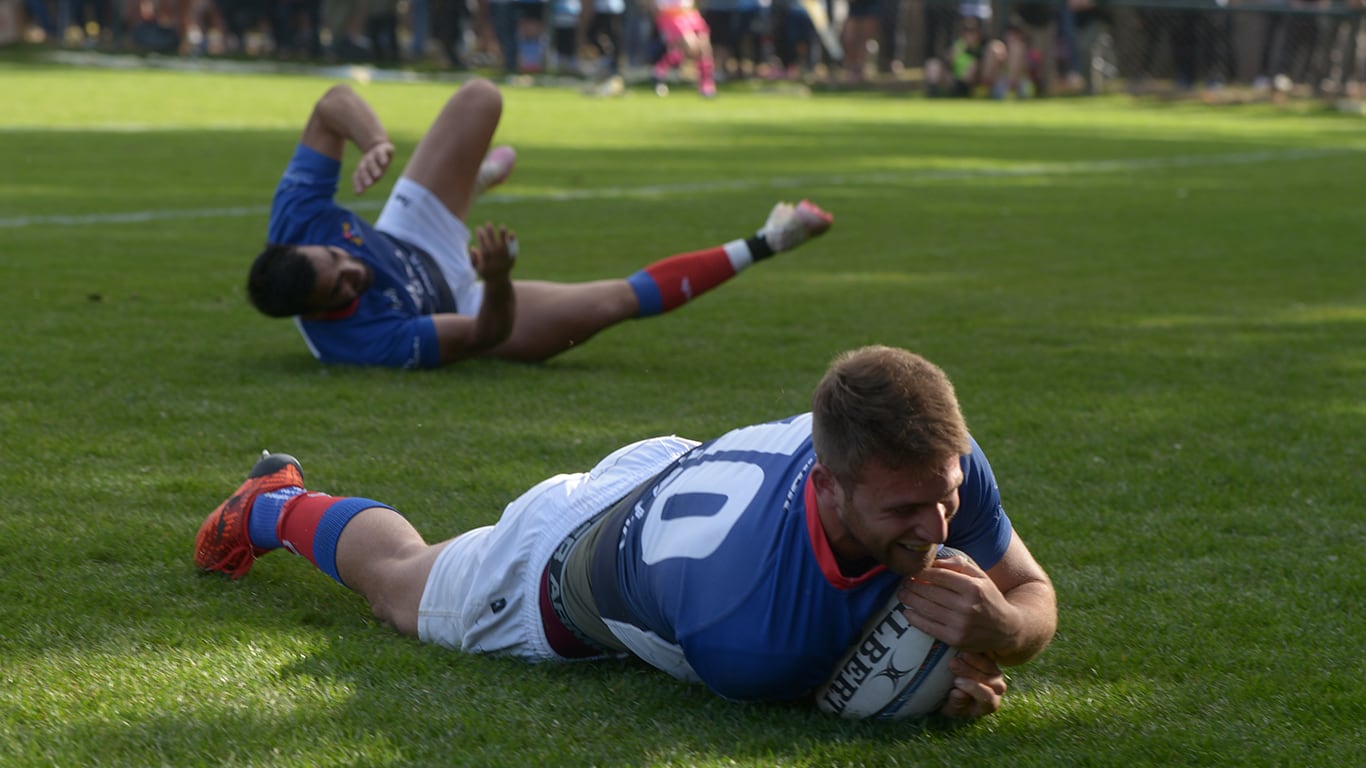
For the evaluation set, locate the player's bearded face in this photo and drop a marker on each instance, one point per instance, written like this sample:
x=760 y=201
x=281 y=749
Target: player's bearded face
x=340 y=277
x=901 y=516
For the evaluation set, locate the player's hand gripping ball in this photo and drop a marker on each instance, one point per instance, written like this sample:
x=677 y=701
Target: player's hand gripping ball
x=892 y=671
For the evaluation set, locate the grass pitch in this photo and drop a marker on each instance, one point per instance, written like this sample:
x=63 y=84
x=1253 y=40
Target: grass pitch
x=1155 y=314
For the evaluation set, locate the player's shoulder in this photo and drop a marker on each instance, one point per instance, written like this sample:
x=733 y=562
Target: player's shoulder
x=783 y=431
x=976 y=466
x=974 y=463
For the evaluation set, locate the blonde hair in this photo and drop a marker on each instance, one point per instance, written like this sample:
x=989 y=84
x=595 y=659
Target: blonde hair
x=888 y=405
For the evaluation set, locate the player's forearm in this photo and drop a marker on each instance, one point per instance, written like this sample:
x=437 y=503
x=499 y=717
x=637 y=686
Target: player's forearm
x=343 y=113
x=1037 y=611
x=494 y=322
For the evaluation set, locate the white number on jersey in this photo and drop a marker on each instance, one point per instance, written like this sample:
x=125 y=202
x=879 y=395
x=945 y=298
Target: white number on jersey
x=707 y=494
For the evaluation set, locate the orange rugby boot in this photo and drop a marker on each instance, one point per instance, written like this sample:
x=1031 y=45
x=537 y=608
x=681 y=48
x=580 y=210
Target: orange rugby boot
x=223 y=544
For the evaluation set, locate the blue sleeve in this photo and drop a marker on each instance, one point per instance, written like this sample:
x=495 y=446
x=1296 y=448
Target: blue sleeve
x=389 y=340
x=981 y=527
x=304 y=198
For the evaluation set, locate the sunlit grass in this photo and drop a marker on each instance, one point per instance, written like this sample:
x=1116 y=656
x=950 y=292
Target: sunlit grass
x=1154 y=314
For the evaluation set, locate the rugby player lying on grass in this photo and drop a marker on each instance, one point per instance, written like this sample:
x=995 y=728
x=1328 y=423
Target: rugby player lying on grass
x=749 y=563
x=410 y=291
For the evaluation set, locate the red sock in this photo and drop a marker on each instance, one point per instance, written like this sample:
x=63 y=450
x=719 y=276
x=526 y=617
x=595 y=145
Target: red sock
x=311 y=524
x=671 y=58
x=706 y=67
x=670 y=283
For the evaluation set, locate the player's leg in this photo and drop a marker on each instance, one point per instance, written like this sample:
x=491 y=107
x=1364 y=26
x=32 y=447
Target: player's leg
x=449 y=169
x=382 y=556
x=361 y=543
x=671 y=35
x=701 y=52
x=553 y=317
x=448 y=158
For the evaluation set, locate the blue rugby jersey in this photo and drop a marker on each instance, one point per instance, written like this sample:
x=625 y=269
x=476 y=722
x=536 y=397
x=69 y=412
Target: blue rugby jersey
x=717 y=570
x=389 y=323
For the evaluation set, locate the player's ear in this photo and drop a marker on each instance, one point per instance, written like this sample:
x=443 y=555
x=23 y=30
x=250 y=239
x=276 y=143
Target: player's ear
x=825 y=481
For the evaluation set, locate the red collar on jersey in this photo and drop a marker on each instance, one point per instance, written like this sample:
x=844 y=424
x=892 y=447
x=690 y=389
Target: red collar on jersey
x=344 y=312
x=825 y=556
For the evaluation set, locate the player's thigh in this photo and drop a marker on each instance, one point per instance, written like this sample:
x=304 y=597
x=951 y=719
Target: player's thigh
x=447 y=159
x=417 y=216
x=402 y=599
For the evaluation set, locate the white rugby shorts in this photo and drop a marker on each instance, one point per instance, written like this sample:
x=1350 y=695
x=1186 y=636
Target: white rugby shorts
x=414 y=215
x=483 y=594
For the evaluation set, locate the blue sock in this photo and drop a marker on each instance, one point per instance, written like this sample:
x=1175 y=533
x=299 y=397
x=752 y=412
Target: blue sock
x=329 y=531
x=649 y=296
x=265 y=513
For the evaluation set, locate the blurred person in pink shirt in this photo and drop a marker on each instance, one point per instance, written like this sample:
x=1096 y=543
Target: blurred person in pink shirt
x=686 y=37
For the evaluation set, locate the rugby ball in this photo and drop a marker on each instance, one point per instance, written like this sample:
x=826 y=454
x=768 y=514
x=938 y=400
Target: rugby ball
x=892 y=671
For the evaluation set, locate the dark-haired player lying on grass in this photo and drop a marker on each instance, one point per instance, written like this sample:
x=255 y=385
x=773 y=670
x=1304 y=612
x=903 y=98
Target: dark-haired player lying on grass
x=409 y=291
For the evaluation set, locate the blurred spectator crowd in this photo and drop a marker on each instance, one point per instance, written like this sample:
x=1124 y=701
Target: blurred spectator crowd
x=993 y=48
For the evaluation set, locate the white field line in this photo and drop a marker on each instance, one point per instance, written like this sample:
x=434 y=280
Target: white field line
x=651 y=191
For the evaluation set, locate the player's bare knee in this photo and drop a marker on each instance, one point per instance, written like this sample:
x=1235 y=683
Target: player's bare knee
x=387 y=614
x=480 y=94
x=394 y=606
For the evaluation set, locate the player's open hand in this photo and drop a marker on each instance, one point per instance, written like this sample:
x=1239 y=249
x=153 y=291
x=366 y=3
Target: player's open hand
x=496 y=251
x=373 y=165
x=955 y=601
x=978 y=686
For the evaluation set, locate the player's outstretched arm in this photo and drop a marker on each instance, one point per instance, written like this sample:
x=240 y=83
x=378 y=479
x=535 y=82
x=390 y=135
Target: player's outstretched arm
x=341 y=115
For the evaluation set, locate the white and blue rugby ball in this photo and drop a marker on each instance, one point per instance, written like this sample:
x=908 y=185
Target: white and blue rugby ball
x=892 y=671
